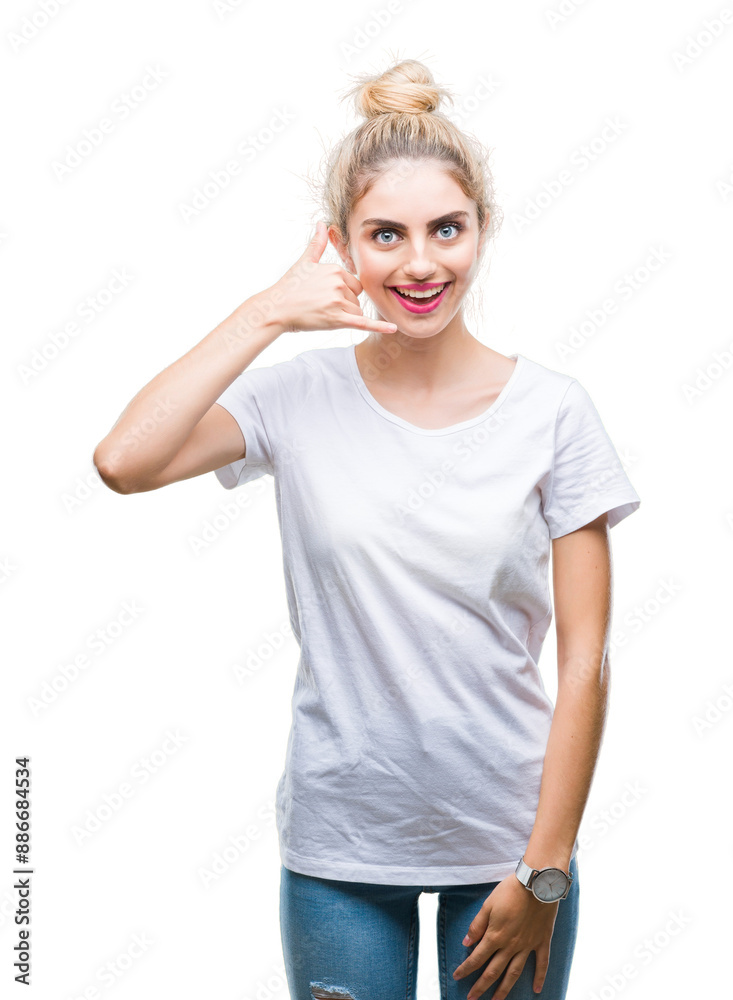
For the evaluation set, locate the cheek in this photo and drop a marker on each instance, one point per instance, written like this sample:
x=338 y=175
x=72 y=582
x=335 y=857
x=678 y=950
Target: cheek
x=374 y=272
x=464 y=264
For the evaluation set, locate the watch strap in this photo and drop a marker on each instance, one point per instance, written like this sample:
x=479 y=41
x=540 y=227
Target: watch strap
x=524 y=873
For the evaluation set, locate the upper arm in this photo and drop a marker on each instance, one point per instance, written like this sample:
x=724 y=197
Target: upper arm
x=582 y=582
x=215 y=441
x=586 y=476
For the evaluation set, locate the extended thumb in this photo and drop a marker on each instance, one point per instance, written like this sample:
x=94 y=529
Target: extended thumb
x=314 y=250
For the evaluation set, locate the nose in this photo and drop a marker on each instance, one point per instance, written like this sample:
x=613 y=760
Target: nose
x=420 y=264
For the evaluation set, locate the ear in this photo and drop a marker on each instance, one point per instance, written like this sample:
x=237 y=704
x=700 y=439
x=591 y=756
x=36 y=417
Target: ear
x=341 y=248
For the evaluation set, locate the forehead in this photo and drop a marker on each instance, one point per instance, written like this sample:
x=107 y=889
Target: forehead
x=421 y=190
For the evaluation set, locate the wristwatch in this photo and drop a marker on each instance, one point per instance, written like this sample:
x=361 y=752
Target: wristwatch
x=547 y=884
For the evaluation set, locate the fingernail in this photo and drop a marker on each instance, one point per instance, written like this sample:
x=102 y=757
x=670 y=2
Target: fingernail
x=466 y=939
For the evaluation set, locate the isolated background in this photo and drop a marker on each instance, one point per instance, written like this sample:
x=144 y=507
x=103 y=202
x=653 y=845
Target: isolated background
x=207 y=654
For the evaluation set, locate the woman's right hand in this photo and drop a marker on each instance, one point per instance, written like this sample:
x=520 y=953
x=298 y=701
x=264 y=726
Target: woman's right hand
x=315 y=296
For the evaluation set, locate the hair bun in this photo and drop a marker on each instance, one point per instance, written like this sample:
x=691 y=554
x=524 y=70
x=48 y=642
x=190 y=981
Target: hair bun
x=407 y=87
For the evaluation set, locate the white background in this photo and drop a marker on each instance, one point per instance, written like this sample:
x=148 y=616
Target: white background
x=73 y=552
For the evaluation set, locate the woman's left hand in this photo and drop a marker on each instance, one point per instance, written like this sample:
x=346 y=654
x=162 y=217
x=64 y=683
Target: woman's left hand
x=511 y=923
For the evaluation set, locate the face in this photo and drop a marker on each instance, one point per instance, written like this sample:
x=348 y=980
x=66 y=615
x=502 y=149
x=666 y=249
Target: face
x=414 y=231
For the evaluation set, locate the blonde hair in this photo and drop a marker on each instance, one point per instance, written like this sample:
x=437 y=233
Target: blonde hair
x=403 y=124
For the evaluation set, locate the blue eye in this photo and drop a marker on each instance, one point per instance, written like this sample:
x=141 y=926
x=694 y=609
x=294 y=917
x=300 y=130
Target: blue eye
x=446 y=225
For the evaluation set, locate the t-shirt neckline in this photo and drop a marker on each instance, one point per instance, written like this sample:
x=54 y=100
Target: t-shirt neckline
x=431 y=431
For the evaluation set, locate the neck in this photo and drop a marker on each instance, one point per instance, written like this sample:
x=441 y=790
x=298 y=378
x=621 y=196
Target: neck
x=421 y=362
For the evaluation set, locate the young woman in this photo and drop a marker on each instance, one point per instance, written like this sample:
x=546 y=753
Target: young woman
x=422 y=481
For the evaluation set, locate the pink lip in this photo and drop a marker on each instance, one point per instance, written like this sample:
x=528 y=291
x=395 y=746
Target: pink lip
x=413 y=306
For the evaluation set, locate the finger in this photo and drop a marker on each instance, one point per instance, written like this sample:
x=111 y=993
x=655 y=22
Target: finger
x=353 y=282
x=488 y=947
x=314 y=250
x=476 y=933
x=354 y=309
x=477 y=927
x=491 y=973
x=542 y=964
x=352 y=297
x=361 y=322
x=512 y=974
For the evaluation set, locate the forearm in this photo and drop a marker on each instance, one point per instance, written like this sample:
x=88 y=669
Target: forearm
x=570 y=760
x=160 y=417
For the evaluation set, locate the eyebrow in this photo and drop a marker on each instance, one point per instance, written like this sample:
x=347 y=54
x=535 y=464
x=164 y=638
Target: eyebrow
x=391 y=224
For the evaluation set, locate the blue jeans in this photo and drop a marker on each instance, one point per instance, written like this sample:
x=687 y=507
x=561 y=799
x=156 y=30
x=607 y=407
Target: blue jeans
x=360 y=940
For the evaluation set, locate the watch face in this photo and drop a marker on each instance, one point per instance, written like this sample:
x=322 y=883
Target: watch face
x=550 y=884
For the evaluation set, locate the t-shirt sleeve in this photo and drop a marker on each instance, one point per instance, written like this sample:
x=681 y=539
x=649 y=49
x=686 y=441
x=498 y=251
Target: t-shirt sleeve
x=252 y=398
x=587 y=478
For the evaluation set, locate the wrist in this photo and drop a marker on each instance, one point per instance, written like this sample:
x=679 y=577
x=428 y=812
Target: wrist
x=259 y=317
x=538 y=858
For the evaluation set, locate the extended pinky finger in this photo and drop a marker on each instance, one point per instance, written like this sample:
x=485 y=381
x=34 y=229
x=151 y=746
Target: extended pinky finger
x=361 y=322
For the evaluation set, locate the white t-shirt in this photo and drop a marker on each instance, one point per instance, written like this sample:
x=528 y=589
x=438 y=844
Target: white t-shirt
x=416 y=573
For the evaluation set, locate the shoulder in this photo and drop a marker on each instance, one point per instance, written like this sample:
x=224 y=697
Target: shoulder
x=556 y=389
x=287 y=385
x=285 y=373
x=314 y=360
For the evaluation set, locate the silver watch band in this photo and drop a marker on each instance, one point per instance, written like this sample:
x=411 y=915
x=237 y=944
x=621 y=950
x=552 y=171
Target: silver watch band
x=524 y=873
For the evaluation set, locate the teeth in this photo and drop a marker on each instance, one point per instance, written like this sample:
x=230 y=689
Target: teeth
x=414 y=294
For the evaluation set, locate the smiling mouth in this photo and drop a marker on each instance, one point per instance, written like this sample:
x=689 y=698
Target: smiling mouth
x=420 y=295
x=421 y=300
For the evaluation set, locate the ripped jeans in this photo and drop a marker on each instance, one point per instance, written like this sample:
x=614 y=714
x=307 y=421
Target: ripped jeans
x=359 y=940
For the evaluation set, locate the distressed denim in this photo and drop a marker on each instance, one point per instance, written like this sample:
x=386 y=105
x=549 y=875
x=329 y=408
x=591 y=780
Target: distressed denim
x=359 y=940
